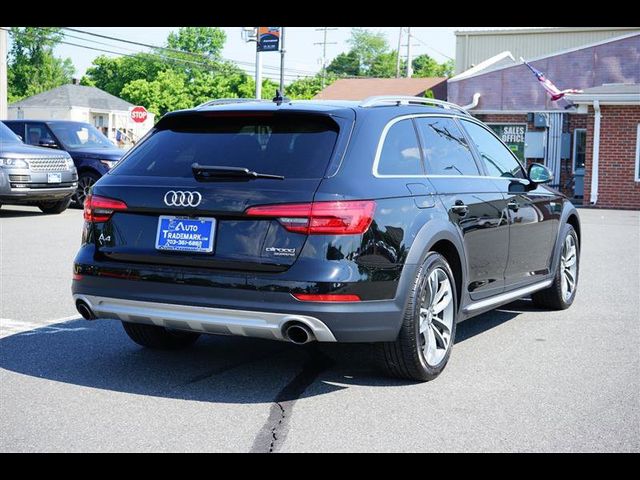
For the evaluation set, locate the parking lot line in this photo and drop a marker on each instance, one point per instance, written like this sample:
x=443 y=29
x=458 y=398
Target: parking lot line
x=10 y=327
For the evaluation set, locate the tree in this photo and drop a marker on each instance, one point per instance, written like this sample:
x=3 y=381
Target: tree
x=345 y=64
x=112 y=74
x=32 y=67
x=166 y=93
x=384 y=65
x=309 y=87
x=203 y=40
x=425 y=66
x=367 y=46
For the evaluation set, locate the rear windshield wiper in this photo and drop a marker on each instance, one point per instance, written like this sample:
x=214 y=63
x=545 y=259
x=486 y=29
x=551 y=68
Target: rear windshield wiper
x=212 y=171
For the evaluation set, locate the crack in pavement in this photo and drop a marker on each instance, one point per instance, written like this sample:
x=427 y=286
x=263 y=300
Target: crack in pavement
x=274 y=431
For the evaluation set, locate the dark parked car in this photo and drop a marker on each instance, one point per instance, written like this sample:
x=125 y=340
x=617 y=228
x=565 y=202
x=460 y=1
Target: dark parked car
x=385 y=221
x=92 y=152
x=34 y=176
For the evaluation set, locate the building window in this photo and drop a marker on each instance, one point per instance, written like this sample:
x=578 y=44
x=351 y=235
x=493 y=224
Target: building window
x=638 y=154
x=579 y=148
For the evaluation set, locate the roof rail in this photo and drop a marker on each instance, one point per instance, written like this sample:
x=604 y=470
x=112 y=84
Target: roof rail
x=405 y=99
x=226 y=101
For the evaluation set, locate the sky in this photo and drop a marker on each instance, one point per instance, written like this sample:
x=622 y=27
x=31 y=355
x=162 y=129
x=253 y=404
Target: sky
x=301 y=52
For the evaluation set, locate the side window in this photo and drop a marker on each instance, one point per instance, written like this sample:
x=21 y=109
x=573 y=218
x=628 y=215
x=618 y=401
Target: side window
x=445 y=148
x=401 y=153
x=17 y=128
x=36 y=132
x=496 y=157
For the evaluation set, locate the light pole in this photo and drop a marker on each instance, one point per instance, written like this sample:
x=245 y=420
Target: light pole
x=282 y=61
x=250 y=34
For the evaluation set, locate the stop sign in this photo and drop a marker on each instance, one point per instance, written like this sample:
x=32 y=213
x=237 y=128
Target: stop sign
x=139 y=114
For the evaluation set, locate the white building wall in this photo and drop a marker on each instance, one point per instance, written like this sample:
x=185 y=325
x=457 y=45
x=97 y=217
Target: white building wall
x=39 y=113
x=473 y=47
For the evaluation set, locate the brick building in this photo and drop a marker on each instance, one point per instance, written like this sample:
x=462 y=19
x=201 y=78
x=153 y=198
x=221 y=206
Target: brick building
x=504 y=93
x=612 y=155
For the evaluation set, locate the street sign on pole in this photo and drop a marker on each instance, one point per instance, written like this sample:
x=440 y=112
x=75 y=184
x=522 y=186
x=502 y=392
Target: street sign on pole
x=268 y=39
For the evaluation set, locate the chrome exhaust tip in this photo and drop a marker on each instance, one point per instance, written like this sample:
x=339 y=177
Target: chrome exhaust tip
x=298 y=333
x=84 y=310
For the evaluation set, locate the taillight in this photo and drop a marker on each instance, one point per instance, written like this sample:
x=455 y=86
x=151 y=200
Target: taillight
x=336 y=297
x=99 y=209
x=321 y=218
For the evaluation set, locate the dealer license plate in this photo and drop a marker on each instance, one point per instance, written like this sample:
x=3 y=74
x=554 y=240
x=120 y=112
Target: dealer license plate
x=184 y=234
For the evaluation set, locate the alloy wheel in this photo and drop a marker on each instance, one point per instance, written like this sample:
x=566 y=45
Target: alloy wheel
x=568 y=267
x=436 y=317
x=84 y=185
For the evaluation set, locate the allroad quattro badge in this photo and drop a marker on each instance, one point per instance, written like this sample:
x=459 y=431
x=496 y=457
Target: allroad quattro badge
x=281 y=252
x=178 y=198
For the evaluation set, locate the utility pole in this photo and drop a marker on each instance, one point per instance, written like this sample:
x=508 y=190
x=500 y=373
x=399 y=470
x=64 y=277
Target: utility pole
x=398 y=53
x=324 y=44
x=3 y=73
x=409 y=58
x=282 y=61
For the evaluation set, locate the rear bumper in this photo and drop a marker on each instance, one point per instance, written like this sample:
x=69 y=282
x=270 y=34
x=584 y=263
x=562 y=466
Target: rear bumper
x=222 y=321
x=237 y=311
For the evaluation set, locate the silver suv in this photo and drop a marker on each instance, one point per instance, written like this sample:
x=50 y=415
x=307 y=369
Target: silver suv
x=35 y=176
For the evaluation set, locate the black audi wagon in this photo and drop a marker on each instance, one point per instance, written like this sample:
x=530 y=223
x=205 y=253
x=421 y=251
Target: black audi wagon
x=385 y=221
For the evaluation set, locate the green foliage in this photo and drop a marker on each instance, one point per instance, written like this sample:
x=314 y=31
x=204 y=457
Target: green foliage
x=384 y=65
x=345 y=64
x=32 y=67
x=167 y=92
x=367 y=46
x=165 y=80
x=425 y=66
x=307 y=88
x=112 y=74
x=370 y=56
x=204 y=40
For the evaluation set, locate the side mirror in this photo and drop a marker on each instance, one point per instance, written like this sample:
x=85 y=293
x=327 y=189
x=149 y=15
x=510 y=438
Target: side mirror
x=47 y=142
x=539 y=174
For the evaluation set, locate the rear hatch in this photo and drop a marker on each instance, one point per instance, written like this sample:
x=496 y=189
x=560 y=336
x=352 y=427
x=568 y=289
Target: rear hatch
x=184 y=192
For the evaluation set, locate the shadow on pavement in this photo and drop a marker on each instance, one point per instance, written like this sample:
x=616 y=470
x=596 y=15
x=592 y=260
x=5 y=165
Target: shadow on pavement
x=216 y=369
x=4 y=213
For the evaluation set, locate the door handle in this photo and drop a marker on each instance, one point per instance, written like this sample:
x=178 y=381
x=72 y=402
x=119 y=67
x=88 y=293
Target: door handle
x=460 y=208
x=513 y=205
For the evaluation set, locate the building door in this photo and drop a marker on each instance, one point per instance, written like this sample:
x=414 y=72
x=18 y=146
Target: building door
x=579 y=149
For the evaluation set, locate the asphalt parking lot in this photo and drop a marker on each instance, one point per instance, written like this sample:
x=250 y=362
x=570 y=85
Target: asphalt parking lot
x=519 y=379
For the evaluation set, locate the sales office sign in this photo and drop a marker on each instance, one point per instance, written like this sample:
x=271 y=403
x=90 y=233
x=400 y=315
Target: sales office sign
x=512 y=134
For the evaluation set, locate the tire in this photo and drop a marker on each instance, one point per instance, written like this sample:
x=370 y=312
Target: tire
x=408 y=356
x=159 y=338
x=54 y=208
x=85 y=181
x=556 y=297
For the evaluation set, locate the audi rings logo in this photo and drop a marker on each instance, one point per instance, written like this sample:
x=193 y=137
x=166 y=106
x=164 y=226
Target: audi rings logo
x=182 y=199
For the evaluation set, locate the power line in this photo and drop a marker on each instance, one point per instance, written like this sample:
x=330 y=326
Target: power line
x=429 y=46
x=324 y=44
x=148 y=56
x=174 y=50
